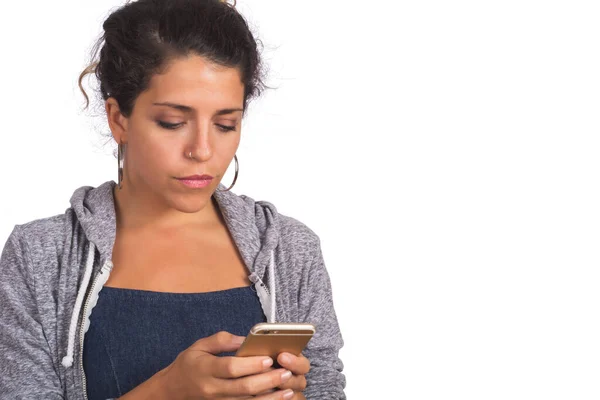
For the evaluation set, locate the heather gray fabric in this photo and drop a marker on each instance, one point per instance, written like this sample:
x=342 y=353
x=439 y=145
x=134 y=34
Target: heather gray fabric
x=41 y=270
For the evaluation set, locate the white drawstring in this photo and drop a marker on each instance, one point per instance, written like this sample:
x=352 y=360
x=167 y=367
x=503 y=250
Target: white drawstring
x=272 y=284
x=67 y=360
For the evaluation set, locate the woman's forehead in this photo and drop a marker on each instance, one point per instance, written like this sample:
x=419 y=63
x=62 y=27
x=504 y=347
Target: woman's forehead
x=192 y=80
x=197 y=71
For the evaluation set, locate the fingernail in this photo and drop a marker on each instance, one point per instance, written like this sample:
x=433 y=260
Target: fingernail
x=286 y=375
x=267 y=362
x=286 y=358
x=288 y=394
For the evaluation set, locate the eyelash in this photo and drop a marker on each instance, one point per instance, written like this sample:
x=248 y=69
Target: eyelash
x=166 y=125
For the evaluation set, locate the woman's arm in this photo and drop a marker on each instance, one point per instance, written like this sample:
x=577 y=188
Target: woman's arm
x=325 y=380
x=26 y=367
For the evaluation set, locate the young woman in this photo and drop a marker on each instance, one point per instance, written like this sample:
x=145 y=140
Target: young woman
x=175 y=267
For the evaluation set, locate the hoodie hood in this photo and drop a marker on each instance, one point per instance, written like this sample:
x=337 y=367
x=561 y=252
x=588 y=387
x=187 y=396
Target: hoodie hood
x=253 y=225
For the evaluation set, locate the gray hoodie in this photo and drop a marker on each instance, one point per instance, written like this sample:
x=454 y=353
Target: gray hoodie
x=52 y=269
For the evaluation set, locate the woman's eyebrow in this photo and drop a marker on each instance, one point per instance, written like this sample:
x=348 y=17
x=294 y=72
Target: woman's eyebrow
x=189 y=109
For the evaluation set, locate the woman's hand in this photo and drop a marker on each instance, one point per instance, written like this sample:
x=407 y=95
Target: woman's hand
x=299 y=366
x=199 y=374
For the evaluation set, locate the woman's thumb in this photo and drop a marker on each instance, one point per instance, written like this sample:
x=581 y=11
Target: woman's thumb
x=218 y=343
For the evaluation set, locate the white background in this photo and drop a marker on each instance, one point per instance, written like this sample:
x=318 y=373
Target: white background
x=447 y=154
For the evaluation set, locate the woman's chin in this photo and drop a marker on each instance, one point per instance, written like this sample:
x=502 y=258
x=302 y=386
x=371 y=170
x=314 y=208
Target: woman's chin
x=189 y=204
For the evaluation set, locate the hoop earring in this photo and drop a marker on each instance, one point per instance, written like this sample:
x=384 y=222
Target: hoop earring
x=227 y=3
x=120 y=164
x=237 y=167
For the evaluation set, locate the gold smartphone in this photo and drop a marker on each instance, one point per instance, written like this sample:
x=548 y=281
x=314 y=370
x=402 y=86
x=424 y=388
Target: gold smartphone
x=270 y=339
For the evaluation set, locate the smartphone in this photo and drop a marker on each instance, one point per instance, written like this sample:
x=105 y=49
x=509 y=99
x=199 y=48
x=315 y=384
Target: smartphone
x=270 y=339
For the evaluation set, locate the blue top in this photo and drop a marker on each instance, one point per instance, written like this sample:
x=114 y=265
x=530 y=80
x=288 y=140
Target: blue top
x=135 y=333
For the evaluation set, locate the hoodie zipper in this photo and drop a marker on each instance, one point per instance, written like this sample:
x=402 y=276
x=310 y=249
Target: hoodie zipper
x=106 y=268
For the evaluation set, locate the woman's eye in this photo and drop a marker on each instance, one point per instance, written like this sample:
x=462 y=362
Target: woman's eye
x=226 y=128
x=168 y=125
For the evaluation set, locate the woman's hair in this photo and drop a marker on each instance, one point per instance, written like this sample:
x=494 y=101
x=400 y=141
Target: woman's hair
x=141 y=38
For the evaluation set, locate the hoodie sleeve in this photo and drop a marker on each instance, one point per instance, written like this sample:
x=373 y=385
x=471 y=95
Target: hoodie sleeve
x=26 y=367
x=325 y=380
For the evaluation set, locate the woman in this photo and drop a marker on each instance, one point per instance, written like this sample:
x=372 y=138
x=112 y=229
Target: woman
x=175 y=266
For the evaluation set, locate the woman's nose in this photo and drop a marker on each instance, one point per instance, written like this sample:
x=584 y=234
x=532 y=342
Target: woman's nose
x=201 y=147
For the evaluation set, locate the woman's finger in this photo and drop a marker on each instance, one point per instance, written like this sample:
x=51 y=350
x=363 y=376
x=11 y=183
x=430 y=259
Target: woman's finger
x=237 y=367
x=279 y=395
x=299 y=365
x=253 y=384
x=296 y=383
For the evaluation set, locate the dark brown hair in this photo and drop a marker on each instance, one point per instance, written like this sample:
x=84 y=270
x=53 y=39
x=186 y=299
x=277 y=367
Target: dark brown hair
x=140 y=39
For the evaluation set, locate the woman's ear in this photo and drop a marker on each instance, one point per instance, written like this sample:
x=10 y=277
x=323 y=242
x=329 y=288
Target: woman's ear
x=116 y=121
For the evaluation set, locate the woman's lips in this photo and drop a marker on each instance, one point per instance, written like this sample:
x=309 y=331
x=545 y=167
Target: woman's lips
x=196 y=181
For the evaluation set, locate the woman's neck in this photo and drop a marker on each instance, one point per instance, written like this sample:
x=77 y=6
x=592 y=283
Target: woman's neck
x=141 y=211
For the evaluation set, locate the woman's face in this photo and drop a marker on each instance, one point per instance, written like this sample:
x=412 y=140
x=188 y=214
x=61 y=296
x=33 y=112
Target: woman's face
x=194 y=106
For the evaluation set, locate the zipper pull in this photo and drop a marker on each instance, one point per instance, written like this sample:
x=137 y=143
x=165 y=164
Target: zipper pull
x=107 y=267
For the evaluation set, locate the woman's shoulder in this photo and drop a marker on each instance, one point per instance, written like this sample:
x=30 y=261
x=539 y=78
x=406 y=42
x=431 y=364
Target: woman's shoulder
x=41 y=234
x=32 y=252
x=293 y=233
x=44 y=227
x=296 y=232
x=53 y=228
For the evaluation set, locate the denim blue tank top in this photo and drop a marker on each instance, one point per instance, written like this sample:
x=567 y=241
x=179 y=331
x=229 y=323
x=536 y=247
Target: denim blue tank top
x=135 y=333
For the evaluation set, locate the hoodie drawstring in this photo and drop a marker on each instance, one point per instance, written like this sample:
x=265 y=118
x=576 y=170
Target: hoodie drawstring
x=67 y=360
x=97 y=285
x=272 y=284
